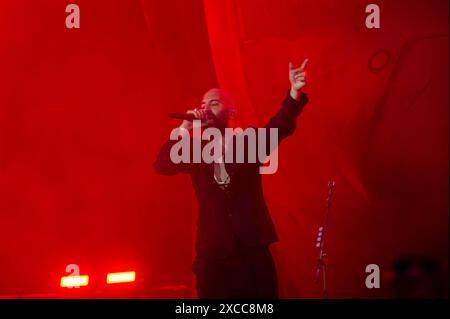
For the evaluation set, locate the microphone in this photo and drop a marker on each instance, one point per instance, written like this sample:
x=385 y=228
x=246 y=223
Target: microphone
x=190 y=117
x=182 y=116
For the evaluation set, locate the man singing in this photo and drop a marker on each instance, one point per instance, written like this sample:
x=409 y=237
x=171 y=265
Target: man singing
x=234 y=227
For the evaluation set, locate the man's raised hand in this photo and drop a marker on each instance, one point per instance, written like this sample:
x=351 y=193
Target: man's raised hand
x=297 y=78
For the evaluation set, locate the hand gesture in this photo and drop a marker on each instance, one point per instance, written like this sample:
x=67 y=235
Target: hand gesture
x=297 y=77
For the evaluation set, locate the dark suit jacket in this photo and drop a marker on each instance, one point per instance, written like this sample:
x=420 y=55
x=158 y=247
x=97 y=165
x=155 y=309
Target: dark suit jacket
x=240 y=210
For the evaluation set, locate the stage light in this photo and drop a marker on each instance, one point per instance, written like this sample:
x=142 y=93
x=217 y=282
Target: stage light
x=120 y=277
x=74 y=281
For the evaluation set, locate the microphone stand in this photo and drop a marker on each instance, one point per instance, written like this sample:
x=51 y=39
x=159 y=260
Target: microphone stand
x=322 y=265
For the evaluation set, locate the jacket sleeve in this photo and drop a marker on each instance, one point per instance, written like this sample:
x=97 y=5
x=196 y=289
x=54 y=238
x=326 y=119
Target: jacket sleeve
x=285 y=119
x=163 y=164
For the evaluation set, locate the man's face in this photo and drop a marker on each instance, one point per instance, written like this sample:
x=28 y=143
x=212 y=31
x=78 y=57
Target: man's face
x=216 y=101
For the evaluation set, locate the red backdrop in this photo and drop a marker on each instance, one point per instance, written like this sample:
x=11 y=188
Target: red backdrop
x=83 y=113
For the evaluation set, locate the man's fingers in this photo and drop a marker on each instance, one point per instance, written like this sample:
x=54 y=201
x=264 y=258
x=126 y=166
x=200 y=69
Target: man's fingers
x=298 y=72
x=304 y=64
x=301 y=68
x=202 y=114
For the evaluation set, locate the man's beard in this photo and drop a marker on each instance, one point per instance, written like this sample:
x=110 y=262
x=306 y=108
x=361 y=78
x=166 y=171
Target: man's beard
x=218 y=123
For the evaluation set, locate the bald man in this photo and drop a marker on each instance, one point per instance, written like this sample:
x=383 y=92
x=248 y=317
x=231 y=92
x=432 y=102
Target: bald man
x=234 y=227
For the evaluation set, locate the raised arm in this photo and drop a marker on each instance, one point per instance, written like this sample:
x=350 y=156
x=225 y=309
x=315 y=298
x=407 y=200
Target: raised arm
x=285 y=119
